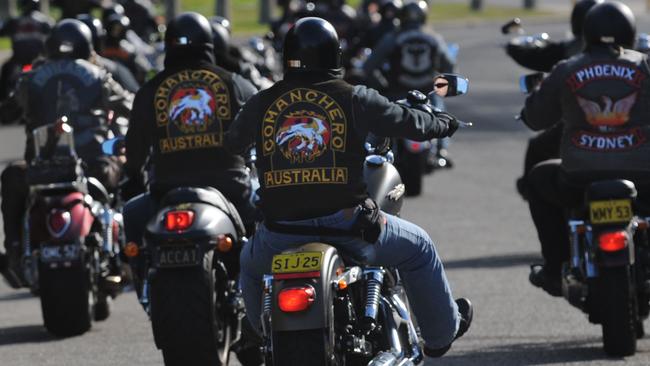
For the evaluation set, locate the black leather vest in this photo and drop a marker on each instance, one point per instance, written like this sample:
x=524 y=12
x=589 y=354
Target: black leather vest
x=310 y=157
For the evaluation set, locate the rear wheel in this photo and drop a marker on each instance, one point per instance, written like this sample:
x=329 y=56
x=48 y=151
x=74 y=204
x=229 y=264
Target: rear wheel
x=312 y=347
x=616 y=295
x=66 y=300
x=186 y=326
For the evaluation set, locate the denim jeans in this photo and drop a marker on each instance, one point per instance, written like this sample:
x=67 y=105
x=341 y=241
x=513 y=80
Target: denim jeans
x=401 y=244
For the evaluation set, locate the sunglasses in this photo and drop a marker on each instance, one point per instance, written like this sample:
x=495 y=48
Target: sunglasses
x=441 y=85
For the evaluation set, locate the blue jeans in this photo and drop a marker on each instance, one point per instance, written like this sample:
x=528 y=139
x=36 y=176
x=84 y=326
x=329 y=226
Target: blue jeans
x=401 y=244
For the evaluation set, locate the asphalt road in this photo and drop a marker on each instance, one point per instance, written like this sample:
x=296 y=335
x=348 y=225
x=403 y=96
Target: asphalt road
x=482 y=229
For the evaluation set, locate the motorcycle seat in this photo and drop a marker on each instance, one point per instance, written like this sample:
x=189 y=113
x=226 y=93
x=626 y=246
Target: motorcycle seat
x=610 y=189
x=97 y=190
x=208 y=195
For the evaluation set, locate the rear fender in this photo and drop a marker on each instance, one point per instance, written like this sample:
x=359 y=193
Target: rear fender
x=317 y=315
x=81 y=218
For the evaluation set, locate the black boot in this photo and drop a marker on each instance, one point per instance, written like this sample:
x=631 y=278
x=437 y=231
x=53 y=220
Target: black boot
x=549 y=281
x=10 y=267
x=466 y=311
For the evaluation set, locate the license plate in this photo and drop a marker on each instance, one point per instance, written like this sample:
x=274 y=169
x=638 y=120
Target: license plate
x=60 y=253
x=177 y=256
x=297 y=262
x=608 y=212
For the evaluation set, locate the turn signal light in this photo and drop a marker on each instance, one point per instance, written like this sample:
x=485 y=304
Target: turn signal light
x=296 y=299
x=131 y=249
x=224 y=243
x=612 y=242
x=178 y=220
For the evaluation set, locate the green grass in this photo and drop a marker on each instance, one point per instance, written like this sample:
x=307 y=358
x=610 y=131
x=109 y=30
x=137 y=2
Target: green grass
x=245 y=13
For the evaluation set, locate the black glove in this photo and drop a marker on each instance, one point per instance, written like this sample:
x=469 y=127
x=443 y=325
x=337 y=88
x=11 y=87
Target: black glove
x=451 y=122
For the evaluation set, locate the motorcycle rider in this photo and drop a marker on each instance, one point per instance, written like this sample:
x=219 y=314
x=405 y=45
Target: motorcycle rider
x=414 y=57
x=224 y=57
x=317 y=181
x=542 y=57
x=120 y=49
x=118 y=71
x=596 y=142
x=28 y=33
x=178 y=121
x=65 y=84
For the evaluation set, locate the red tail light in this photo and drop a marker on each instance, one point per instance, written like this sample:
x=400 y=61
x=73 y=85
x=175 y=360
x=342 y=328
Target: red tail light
x=178 y=220
x=296 y=299
x=27 y=67
x=58 y=221
x=612 y=242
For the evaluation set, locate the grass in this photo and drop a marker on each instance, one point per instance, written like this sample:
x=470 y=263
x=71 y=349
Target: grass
x=245 y=13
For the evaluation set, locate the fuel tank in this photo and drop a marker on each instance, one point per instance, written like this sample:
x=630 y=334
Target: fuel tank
x=384 y=184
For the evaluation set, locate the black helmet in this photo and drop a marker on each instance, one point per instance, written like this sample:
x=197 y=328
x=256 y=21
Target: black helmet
x=96 y=28
x=220 y=38
x=117 y=25
x=414 y=13
x=312 y=43
x=188 y=29
x=70 y=38
x=28 y=6
x=112 y=10
x=224 y=22
x=390 y=9
x=578 y=15
x=610 y=23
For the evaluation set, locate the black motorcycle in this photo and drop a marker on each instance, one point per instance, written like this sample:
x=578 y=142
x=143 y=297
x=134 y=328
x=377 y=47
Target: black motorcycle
x=186 y=276
x=609 y=269
x=321 y=307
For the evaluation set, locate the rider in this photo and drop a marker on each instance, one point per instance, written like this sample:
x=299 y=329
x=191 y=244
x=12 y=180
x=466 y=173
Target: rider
x=317 y=180
x=65 y=84
x=596 y=142
x=119 y=72
x=28 y=33
x=119 y=48
x=414 y=57
x=542 y=57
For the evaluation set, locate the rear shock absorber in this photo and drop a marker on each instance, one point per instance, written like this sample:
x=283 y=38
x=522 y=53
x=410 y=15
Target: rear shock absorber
x=374 y=280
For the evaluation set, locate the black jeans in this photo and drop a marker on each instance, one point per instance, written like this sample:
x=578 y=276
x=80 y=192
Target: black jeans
x=544 y=146
x=552 y=194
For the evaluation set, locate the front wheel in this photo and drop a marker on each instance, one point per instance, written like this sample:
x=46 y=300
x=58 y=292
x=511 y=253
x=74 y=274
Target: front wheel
x=411 y=169
x=66 y=300
x=617 y=299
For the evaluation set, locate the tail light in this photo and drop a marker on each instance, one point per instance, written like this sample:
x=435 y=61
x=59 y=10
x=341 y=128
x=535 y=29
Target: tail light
x=296 y=299
x=58 y=221
x=27 y=67
x=612 y=242
x=178 y=220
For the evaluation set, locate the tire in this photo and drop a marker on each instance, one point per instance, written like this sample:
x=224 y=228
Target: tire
x=617 y=299
x=66 y=301
x=411 y=169
x=103 y=307
x=312 y=347
x=183 y=318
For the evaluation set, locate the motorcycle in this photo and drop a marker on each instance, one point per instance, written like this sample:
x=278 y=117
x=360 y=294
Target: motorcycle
x=608 y=274
x=321 y=307
x=186 y=275
x=71 y=235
